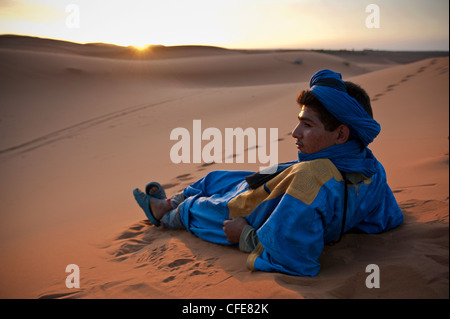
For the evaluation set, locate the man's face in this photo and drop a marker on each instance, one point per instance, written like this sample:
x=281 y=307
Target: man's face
x=310 y=134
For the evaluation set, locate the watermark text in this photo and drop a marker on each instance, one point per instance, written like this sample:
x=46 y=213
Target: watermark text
x=373 y=19
x=73 y=279
x=373 y=280
x=228 y=149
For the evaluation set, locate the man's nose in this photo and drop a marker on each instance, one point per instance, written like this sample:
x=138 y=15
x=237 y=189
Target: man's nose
x=296 y=133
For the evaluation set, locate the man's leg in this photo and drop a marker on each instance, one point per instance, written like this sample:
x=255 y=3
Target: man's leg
x=177 y=199
x=172 y=219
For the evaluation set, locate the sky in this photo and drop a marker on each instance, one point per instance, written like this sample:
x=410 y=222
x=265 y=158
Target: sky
x=260 y=24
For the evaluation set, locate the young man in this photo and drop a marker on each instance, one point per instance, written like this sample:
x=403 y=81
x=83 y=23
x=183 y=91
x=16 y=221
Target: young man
x=285 y=219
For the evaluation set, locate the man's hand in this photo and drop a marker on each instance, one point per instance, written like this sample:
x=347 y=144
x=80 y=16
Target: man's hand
x=233 y=228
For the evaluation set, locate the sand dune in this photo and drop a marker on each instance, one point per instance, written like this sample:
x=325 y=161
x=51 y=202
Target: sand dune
x=80 y=130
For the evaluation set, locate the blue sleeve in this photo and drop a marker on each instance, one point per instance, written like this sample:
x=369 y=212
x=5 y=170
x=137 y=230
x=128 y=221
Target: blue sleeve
x=380 y=208
x=385 y=216
x=291 y=240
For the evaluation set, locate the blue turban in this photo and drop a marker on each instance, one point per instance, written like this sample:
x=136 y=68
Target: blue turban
x=328 y=87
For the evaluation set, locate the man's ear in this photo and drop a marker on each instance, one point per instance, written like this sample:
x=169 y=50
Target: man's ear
x=343 y=134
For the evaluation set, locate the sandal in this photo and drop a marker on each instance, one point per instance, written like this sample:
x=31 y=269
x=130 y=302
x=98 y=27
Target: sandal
x=144 y=202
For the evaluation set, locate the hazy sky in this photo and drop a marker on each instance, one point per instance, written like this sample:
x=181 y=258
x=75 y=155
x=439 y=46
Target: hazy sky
x=303 y=24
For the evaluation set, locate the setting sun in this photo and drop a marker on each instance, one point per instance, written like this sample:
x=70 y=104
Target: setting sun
x=141 y=47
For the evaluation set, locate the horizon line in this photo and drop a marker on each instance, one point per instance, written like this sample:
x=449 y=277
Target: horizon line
x=216 y=46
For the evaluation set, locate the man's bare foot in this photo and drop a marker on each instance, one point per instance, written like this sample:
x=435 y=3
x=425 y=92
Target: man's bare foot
x=154 y=208
x=159 y=207
x=153 y=189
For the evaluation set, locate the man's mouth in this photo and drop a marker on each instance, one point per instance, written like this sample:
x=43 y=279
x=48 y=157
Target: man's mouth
x=299 y=146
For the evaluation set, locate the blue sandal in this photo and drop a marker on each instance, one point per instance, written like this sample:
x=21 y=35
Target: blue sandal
x=160 y=194
x=144 y=202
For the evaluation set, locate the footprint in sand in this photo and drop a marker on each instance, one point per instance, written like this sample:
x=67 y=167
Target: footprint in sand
x=180 y=178
x=133 y=231
x=169 y=279
x=169 y=185
x=422 y=69
x=390 y=87
x=180 y=262
x=207 y=164
x=204 y=165
x=197 y=272
x=184 y=177
x=377 y=97
x=252 y=148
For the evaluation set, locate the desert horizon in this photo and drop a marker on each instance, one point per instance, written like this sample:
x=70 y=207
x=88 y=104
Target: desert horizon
x=150 y=50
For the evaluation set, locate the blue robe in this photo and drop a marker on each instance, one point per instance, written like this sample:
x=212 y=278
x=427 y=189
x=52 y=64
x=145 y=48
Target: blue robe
x=295 y=213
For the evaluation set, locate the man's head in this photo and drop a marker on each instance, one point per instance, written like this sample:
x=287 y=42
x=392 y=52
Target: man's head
x=318 y=128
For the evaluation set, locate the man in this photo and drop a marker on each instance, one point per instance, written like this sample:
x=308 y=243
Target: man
x=285 y=219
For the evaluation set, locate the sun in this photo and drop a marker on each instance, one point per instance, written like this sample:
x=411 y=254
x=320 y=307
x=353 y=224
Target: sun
x=141 y=47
